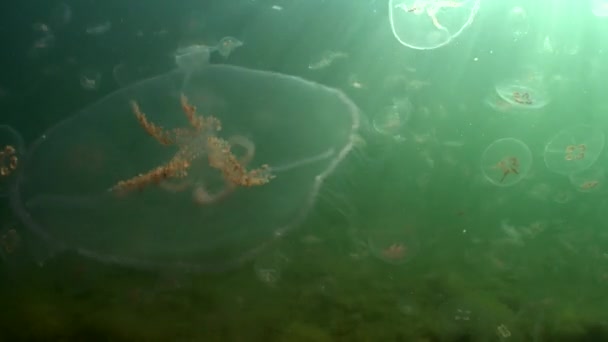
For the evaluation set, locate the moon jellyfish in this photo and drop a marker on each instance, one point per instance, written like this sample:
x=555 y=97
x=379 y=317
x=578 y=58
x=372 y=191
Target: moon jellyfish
x=518 y=22
x=391 y=122
x=505 y=162
x=11 y=147
x=589 y=180
x=524 y=92
x=227 y=45
x=187 y=170
x=574 y=149
x=393 y=244
x=429 y=24
x=494 y=101
x=90 y=79
x=192 y=57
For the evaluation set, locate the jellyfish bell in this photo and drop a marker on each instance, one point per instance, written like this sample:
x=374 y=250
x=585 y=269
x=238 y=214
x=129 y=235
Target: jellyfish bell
x=393 y=244
x=506 y=161
x=391 y=120
x=589 y=180
x=195 y=170
x=522 y=96
x=574 y=149
x=11 y=153
x=429 y=24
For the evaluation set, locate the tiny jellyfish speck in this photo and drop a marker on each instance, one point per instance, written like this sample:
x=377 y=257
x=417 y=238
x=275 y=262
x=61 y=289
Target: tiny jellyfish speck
x=429 y=24
x=505 y=162
x=574 y=149
x=189 y=170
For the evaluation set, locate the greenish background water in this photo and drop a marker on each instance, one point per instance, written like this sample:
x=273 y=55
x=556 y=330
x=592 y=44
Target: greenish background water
x=531 y=258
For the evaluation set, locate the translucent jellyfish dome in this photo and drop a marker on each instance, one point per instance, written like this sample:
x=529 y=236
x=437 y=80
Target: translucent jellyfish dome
x=505 y=162
x=195 y=171
x=574 y=149
x=590 y=180
x=11 y=146
x=526 y=91
x=192 y=57
x=392 y=120
x=393 y=243
x=429 y=24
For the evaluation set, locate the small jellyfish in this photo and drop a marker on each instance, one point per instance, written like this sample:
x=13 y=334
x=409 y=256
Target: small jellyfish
x=90 y=79
x=589 y=180
x=505 y=162
x=326 y=59
x=11 y=148
x=60 y=16
x=227 y=45
x=517 y=22
x=522 y=94
x=192 y=57
x=98 y=29
x=574 y=149
x=391 y=121
x=494 y=101
x=393 y=244
x=269 y=266
x=429 y=24
x=562 y=196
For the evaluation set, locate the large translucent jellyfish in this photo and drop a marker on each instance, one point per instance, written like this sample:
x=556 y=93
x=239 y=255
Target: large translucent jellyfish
x=192 y=170
x=505 y=162
x=574 y=149
x=429 y=24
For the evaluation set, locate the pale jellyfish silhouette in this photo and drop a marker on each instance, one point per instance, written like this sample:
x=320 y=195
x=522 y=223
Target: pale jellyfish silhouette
x=505 y=162
x=392 y=120
x=574 y=149
x=429 y=24
x=11 y=150
x=589 y=180
x=525 y=91
x=518 y=22
x=189 y=170
x=393 y=243
x=192 y=57
x=227 y=44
